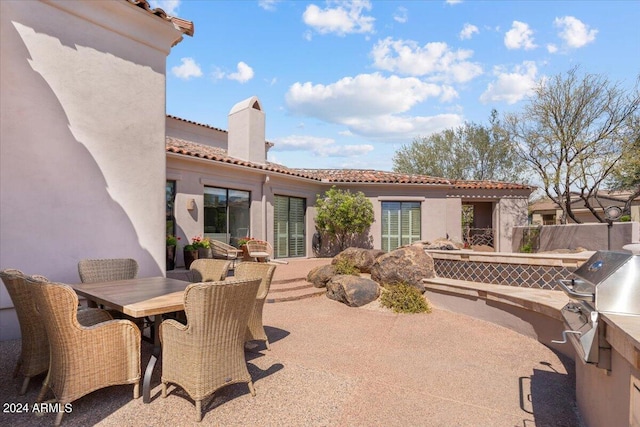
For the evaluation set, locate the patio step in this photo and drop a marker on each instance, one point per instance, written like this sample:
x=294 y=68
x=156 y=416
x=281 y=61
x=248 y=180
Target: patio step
x=292 y=290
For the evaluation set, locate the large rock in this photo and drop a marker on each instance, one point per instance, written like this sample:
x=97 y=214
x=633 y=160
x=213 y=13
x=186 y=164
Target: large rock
x=441 y=244
x=319 y=276
x=408 y=265
x=353 y=291
x=361 y=258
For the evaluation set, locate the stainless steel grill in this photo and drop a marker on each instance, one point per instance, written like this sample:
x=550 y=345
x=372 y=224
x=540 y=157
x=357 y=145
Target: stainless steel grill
x=608 y=282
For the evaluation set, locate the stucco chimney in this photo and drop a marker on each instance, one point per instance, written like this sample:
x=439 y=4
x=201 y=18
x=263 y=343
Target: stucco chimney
x=246 y=131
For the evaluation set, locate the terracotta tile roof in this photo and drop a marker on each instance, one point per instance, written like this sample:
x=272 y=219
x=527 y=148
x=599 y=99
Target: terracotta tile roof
x=373 y=176
x=269 y=144
x=188 y=148
x=489 y=185
x=182 y=24
x=196 y=123
x=362 y=176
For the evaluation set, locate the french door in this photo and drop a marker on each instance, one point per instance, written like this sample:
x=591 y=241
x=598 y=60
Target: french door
x=289 y=227
x=400 y=224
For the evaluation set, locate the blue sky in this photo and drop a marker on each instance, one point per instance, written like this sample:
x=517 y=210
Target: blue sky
x=344 y=84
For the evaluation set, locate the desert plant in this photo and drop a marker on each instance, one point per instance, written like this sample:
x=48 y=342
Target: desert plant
x=403 y=298
x=346 y=266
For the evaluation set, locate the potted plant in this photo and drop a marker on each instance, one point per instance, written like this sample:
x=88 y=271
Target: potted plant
x=203 y=247
x=172 y=242
x=190 y=253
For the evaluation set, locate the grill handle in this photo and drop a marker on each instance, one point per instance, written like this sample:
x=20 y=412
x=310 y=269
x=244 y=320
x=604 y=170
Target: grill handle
x=564 y=336
x=569 y=291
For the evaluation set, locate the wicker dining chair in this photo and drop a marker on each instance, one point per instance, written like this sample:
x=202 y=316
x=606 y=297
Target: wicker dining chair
x=207 y=352
x=209 y=270
x=83 y=359
x=222 y=250
x=106 y=270
x=262 y=251
x=255 y=328
x=102 y=270
x=34 y=353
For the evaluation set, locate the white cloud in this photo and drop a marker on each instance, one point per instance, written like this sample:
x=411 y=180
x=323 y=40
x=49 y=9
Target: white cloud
x=468 y=31
x=188 y=69
x=269 y=5
x=453 y=1
x=401 y=15
x=435 y=60
x=511 y=87
x=323 y=147
x=520 y=36
x=552 y=48
x=405 y=128
x=574 y=32
x=365 y=95
x=345 y=18
x=372 y=105
x=243 y=74
x=169 y=6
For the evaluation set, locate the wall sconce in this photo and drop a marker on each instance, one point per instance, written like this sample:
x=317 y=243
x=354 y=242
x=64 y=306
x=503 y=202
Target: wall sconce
x=191 y=204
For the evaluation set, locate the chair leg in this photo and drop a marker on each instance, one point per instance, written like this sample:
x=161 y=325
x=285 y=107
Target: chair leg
x=25 y=384
x=266 y=342
x=136 y=390
x=252 y=389
x=164 y=389
x=198 y=410
x=59 y=416
x=43 y=392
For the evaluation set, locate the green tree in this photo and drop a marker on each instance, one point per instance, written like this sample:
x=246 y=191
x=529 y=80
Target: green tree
x=626 y=176
x=343 y=215
x=574 y=132
x=468 y=152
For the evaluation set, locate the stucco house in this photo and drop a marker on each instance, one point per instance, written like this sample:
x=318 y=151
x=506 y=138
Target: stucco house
x=82 y=136
x=89 y=159
x=547 y=212
x=220 y=185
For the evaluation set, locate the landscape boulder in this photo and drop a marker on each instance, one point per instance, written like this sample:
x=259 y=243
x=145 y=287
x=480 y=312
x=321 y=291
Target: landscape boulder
x=409 y=264
x=361 y=258
x=319 y=276
x=353 y=291
x=438 y=244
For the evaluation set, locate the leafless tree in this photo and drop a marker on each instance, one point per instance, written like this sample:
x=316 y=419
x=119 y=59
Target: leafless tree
x=574 y=132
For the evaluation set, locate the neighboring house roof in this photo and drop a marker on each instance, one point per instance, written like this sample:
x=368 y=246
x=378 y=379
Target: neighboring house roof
x=608 y=198
x=182 y=24
x=192 y=149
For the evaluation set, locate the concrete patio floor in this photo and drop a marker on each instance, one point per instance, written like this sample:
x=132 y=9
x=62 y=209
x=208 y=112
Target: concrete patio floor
x=332 y=365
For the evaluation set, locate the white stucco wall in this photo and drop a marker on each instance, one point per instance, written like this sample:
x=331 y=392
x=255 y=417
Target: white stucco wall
x=82 y=157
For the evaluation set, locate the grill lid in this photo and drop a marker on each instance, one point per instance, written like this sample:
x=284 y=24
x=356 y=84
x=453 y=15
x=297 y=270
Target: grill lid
x=613 y=280
x=600 y=266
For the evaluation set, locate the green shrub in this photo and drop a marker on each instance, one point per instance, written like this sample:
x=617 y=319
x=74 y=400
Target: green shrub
x=526 y=248
x=625 y=218
x=345 y=266
x=403 y=298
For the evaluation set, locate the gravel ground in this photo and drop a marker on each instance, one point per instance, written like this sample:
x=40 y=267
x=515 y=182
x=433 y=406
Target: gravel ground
x=331 y=365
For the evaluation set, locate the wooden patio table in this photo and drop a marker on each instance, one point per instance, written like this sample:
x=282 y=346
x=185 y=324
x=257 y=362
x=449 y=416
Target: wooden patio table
x=147 y=296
